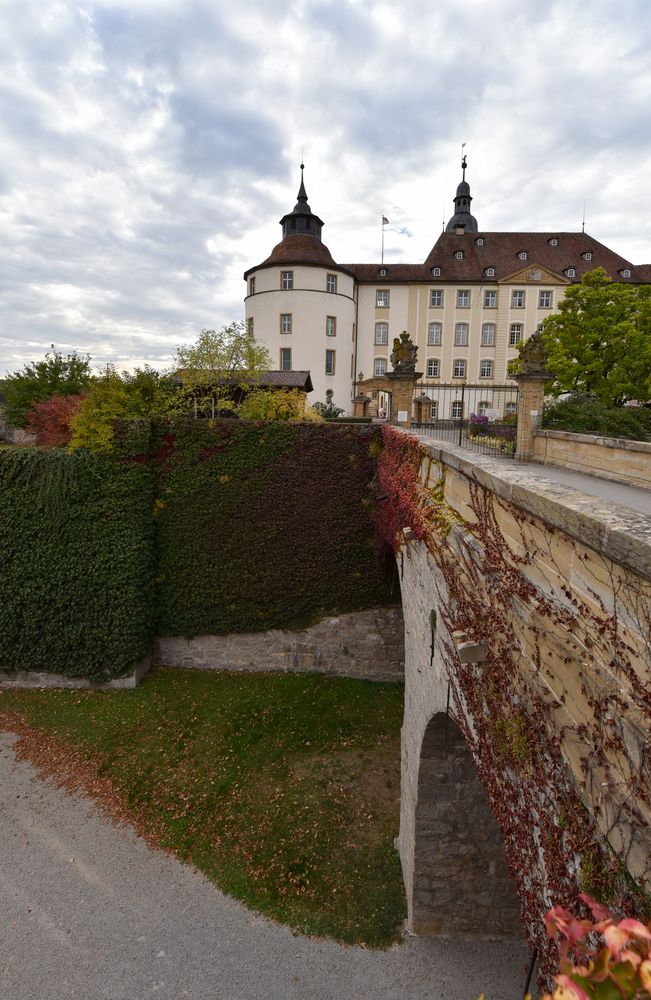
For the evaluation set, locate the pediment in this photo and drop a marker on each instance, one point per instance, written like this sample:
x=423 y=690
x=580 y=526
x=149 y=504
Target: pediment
x=534 y=274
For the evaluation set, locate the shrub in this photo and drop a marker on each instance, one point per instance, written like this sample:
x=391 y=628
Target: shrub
x=601 y=958
x=583 y=414
x=276 y=404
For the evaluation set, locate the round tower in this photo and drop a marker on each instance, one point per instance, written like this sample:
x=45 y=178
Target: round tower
x=300 y=304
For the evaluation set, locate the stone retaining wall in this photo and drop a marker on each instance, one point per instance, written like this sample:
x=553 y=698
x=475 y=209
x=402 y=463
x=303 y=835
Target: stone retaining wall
x=365 y=644
x=618 y=459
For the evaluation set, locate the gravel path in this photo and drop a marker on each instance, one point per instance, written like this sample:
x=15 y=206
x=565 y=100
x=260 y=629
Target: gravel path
x=88 y=910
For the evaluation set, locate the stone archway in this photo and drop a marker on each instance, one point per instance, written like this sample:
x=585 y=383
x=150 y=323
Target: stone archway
x=459 y=881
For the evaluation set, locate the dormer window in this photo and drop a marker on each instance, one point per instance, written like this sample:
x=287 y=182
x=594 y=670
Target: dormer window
x=490 y=272
x=459 y=255
x=570 y=272
x=382 y=272
x=479 y=242
x=587 y=255
x=523 y=255
x=553 y=242
x=436 y=272
x=626 y=273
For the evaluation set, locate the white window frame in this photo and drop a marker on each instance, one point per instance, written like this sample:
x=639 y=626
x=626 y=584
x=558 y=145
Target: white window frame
x=626 y=272
x=436 y=272
x=286 y=280
x=545 y=299
x=436 y=293
x=251 y=286
x=286 y=323
x=381 y=333
x=587 y=255
x=490 y=272
x=459 y=368
x=285 y=352
x=510 y=408
x=331 y=326
x=459 y=255
x=571 y=272
x=382 y=298
x=515 y=334
x=330 y=355
x=433 y=367
x=434 y=334
x=517 y=298
x=331 y=283
x=488 y=335
x=379 y=367
x=486 y=368
x=523 y=255
x=463 y=298
x=456 y=409
x=493 y=295
x=461 y=334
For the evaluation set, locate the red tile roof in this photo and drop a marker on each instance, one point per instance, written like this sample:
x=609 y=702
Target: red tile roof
x=500 y=251
x=297 y=250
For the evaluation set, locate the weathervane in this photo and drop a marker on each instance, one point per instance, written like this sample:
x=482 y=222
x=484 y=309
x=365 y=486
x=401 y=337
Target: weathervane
x=463 y=161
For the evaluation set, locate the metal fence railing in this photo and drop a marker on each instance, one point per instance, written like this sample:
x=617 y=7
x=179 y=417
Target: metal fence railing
x=482 y=418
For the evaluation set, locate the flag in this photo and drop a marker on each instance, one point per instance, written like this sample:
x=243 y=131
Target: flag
x=385 y=221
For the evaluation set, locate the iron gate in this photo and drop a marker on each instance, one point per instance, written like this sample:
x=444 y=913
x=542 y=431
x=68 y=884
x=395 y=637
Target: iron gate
x=482 y=418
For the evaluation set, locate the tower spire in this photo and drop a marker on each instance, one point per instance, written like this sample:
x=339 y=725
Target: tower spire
x=462 y=217
x=301 y=221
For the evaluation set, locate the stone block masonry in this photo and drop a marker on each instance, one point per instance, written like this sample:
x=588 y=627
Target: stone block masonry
x=363 y=644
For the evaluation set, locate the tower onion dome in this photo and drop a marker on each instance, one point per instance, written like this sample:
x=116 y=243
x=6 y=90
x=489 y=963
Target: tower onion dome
x=462 y=199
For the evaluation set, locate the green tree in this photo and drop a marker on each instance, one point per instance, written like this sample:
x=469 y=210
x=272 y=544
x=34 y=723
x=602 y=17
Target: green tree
x=113 y=396
x=63 y=375
x=219 y=362
x=599 y=341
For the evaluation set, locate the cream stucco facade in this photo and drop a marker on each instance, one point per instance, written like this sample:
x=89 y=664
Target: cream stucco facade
x=476 y=296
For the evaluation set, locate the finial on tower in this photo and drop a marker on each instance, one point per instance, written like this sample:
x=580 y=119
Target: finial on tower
x=464 y=160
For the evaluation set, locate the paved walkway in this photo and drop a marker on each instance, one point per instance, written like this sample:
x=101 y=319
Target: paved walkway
x=633 y=497
x=88 y=910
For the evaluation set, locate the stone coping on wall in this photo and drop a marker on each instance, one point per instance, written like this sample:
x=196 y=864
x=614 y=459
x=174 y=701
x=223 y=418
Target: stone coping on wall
x=41 y=679
x=622 y=534
x=604 y=442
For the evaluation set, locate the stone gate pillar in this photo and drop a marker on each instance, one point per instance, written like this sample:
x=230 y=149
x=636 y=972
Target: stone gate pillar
x=531 y=379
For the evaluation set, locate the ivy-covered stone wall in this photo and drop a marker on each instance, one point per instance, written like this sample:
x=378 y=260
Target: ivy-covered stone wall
x=528 y=614
x=192 y=527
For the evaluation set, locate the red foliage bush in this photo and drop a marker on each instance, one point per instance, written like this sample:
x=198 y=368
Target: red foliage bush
x=398 y=480
x=50 y=421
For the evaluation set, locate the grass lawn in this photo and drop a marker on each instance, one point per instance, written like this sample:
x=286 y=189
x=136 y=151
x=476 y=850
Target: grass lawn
x=282 y=789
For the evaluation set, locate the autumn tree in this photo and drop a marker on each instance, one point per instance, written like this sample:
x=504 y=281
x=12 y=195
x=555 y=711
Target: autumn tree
x=50 y=422
x=221 y=361
x=56 y=374
x=599 y=341
x=118 y=396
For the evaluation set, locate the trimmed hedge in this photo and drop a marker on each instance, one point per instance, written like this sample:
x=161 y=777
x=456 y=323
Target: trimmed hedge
x=76 y=551
x=263 y=525
x=254 y=526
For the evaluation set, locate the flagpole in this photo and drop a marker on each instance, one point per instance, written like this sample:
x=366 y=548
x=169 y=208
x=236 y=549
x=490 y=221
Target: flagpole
x=382 y=227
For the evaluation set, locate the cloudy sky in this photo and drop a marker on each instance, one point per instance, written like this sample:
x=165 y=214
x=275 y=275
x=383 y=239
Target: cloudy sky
x=149 y=147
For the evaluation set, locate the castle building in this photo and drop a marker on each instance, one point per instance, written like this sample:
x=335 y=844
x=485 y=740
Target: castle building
x=471 y=302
